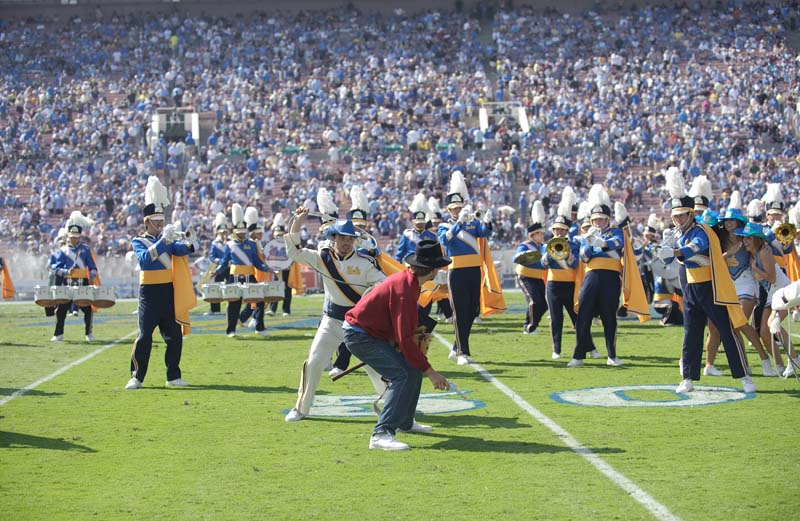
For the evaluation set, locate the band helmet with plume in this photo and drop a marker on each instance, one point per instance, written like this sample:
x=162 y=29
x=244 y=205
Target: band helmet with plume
x=251 y=218
x=584 y=211
x=680 y=201
x=77 y=223
x=237 y=218
x=701 y=192
x=599 y=202
x=755 y=210
x=419 y=209
x=359 y=209
x=328 y=209
x=434 y=210
x=773 y=199
x=537 y=217
x=652 y=223
x=220 y=222
x=458 y=194
x=156 y=199
x=278 y=225
x=621 y=215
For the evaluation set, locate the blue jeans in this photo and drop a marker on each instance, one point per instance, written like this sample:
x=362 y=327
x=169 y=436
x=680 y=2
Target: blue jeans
x=405 y=381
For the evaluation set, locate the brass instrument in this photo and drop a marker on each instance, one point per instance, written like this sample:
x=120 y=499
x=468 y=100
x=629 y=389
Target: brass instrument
x=558 y=248
x=786 y=233
x=529 y=257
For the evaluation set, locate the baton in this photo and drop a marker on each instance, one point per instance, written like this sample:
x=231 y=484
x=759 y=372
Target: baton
x=349 y=370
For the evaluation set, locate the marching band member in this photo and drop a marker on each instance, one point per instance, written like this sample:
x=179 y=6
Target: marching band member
x=359 y=213
x=411 y=236
x=701 y=193
x=216 y=254
x=253 y=314
x=601 y=252
x=75 y=263
x=530 y=270
x=648 y=254
x=165 y=289
x=434 y=216
x=784 y=252
x=290 y=276
x=560 y=288
x=55 y=279
x=242 y=255
x=667 y=292
x=347 y=274
x=459 y=237
x=708 y=290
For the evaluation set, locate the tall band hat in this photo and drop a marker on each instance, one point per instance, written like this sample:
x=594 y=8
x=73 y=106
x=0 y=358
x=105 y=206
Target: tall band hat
x=458 y=195
x=76 y=223
x=237 y=218
x=794 y=215
x=251 y=218
x=359 y=210
x=599 y=202
x=584 y=211
x=220 y=222
x=434 y=210
x=680 y=201
x=755 y=210
x=326 y=206
x=734 y=210
x=652 y=224
x=419 y=209
x=537 y=217
x=428 y=255
x=773 y=199
x=278 y=225
x=621 y=215
x=156 y=199
x=563 y=217
x=701 y=192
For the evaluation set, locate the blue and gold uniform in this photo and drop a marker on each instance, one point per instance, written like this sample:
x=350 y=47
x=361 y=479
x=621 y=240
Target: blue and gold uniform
x=243 y=260
x=530 y=276
x=409 y=240
x=74 y=266
x=215 y=255
x=560 y=291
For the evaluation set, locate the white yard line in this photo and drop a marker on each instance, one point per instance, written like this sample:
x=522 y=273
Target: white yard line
x=67 y=367
x=658 y=510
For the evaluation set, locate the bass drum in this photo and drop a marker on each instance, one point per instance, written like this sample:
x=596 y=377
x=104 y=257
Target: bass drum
x=665 y=271
x=275 y=255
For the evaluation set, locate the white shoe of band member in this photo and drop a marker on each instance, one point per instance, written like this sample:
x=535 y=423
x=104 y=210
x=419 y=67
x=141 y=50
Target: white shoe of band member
x=747 y=385
x=285 y=314
x=133 y=383
x=789 y=371
x=448 y=320
x=263 y=332
x=385 y=441
x=452 y=355
x=575 y=362
x=57 y=338
x=231 y=335
x=616 y=362
x=594 y=353
x=294 y=416
x=335 y=372
x=685 y=386
x=90 y=338
x=178 y=382
x=463 y=360
x=710 y=370
x=766 y=368
x=270 y=312
x=555 y=356
x=417 y=428
x=251 y=323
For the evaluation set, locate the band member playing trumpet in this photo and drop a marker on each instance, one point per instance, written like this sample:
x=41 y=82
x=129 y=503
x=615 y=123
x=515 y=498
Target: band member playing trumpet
x=242 y=255
x=530 y=270
x=75 y=264
x=782 y=246
x=216 y=254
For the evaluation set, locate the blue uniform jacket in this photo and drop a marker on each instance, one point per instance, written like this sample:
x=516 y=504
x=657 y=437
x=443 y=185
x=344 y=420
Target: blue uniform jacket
x=244 y=253
x=155 y=254
x=615 y=243
x=80 y=257
x=456 y=245
x=409 y=240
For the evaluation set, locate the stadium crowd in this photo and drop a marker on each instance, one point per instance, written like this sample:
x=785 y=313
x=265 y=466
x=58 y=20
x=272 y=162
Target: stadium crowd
x=306 y=101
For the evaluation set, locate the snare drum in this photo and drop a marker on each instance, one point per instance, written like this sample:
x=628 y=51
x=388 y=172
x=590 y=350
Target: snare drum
x=43 y=296
x=82 y=295
x=212 y=292
x=253 y=293
x=105 y=296
x=61 y=295
x=273 y=291
x=231 y=292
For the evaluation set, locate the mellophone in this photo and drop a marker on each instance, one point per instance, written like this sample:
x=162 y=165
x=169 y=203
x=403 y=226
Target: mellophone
x=82 y=296
x=252 y=293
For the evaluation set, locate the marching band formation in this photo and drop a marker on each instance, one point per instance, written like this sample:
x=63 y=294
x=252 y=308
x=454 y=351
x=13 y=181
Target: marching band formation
x=720 y=270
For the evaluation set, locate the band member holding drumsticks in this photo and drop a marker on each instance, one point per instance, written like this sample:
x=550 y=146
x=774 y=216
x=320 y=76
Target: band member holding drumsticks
x=75 y=263
x=290 y=276
x=255 y=312
x=216 y=254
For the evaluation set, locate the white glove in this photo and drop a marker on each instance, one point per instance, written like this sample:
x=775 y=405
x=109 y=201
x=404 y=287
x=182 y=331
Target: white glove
x=487 y=217
x=665 y=254
x=775 y=322
x=464 y=216
x=596 y=241
x=169 y=233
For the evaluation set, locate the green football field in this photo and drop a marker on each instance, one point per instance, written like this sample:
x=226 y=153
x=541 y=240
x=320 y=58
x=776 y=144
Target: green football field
x=529 y=439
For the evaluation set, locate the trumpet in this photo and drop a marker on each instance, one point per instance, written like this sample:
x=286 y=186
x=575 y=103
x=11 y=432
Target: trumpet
x=529 y=257
x=786 y=233
x=558 y=248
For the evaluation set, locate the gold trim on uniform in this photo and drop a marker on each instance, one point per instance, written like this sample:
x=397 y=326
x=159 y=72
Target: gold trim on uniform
x=564 y=275
x=241 y=269
x=604 y=263
x=147 y=277
x=79 y=273
x=532 y=273
x=698 y=275
x=472 y=260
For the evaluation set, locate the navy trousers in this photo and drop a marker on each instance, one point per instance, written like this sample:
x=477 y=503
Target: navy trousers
x=465 y=298
x=534 y=292
x=599 y=296
x=157 y=308
x=560 y=296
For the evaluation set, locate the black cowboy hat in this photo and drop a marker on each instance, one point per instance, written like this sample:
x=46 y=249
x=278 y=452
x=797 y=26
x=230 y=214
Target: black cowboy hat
x=428 y=255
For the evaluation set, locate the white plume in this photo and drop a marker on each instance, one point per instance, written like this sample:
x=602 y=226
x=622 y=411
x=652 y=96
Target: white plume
x=156 y=193
x=237 y=214
x=794 y=215
x=359 y=199
x=598 y=196
x=251 y=216
x=701 y=186
x=754 y=208
x=652 y=221
x=325 y=202
x=458 y=185
x=773 y=194
x=736 y=201
x=537 y=213
x=675 y=184
x=584 y=210
x=568 y=198
x=433 y=206
x=220 y=220
x=419 y=204
x=278 y=221
x=620 y=212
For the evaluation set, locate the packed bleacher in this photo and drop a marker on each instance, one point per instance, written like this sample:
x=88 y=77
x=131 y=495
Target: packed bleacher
x=313 y=100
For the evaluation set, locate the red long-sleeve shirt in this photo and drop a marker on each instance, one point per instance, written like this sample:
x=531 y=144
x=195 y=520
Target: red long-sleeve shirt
x=389 y=312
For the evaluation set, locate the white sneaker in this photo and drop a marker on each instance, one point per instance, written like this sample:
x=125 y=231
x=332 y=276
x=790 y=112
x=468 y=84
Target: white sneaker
x=57 y=338
x=766 y=367
x=616 y=362
x=747 y=385
x=452 y=355
x=575 y=363
x=789 y=371
x=335 y=372
x=385 y=441
x=478 y=320
x=710 y=370
x=178 y=382
x=263 y=332
x=685 y=386
x=796 y=315
x=90 y=338
x=417 y=428
x=231 y=335
x=463 y=360
x=285 y=314
x=780 y=369
x=555 y=356
x=594 y=353
x=269 y=312
x=449 y=320
x=294 y=416
x=251 y=323
x=133 y=383
x=74 y=313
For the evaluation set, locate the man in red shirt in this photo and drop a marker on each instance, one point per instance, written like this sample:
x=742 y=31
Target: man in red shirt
x=381 y=331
